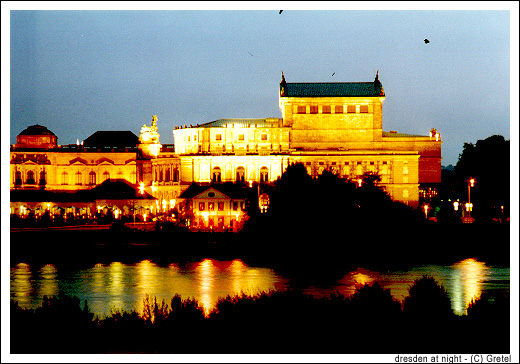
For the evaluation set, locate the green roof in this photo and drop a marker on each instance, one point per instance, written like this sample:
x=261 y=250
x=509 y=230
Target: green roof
x=332 y=89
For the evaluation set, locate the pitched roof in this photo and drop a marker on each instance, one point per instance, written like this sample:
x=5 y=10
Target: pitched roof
x=241 y=123
x=118 y=190
x=229 y=189
x=108 y=190
x=333 y=89
x=111 y=139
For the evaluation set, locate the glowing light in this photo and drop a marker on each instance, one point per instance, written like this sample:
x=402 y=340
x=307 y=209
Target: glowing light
x=172 y=203
x=116 y=213
x=141 y=188
x=360 y=182
x=153 y=186
x=456 y=205
x=49 y=206
x=469 y=275
x=205 y=214
x=250 y=183
x=469 y=206
x=426 y=207
x=144 y=217
x=472 y=182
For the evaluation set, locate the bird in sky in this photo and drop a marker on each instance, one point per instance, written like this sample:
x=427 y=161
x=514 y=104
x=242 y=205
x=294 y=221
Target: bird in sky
x=250 y=54
x=333 y=74
x=426 y=41
x=280 y=12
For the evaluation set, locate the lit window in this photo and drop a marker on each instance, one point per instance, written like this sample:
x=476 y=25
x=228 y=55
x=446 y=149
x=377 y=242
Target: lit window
x=363 y=109
x=211 y=206
x=64 y=178
x=338 y=109
x=302 y=109
x=351 y=109
x=264 y=137
x=201 y=206
x=221 y=206
x=218 y=137
x=92 y=178
x=78 y=178
x=314 y=109
x=325 y=109
x=241 y=137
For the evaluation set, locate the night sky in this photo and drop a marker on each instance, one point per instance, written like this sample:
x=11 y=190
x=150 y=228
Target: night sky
x=77 y=72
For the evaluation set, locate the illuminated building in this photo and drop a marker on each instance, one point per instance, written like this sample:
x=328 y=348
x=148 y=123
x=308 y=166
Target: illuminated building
x=325 y=126
x=214 y=208
x=43 y=172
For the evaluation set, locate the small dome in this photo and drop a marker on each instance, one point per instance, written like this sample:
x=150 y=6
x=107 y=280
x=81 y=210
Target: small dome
x=37 y=130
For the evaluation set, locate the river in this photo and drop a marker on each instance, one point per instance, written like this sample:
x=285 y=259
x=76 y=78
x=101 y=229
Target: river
x=119 y=286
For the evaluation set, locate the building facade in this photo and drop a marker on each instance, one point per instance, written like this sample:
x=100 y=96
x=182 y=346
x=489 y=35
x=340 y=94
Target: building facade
x=325 y=126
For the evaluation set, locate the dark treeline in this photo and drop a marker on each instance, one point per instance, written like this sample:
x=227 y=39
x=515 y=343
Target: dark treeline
x=321 y=226
x=488 y=161
x=370 y=321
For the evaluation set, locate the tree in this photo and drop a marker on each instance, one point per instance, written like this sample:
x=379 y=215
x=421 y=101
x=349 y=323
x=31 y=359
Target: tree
x=488 y=162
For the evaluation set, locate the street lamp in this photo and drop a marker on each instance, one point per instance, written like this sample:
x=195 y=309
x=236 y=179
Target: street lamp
x=426 y=207
x=471 y=183
x=456 y=205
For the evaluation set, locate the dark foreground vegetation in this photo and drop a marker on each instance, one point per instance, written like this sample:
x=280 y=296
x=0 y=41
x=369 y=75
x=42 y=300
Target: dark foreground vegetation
x=370 y=321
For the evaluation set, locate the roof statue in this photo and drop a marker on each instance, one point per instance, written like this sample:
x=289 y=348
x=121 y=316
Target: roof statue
x=283 y=86
x=149 y=134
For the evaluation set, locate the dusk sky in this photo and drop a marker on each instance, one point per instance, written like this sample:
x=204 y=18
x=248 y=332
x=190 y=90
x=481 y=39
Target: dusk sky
x=77 y=72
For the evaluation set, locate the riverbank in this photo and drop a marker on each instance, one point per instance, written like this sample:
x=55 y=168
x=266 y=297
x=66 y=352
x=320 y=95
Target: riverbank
x=278 y=322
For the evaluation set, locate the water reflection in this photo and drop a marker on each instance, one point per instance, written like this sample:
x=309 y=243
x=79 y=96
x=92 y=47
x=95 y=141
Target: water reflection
x=47 y=281
x=119 y=286
x=466 y=285
x=464 y=281
x=21 y=287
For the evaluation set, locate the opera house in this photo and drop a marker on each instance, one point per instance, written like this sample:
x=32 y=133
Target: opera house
x=324 y=126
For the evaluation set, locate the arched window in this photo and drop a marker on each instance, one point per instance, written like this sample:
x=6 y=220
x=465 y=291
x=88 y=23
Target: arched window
x=106 y=176
x=175 y=175
x=119 y=175
x=92 y=178
x=264 y=174
x=64 y=178
x=167 y=175
x=78 y=178
x=241 y=172
x=42 y=178
x=216 y=175
x=18 y=178
x=30 y=178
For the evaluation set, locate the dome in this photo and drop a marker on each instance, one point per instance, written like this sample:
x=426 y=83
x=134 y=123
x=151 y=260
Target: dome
x=36 y=130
